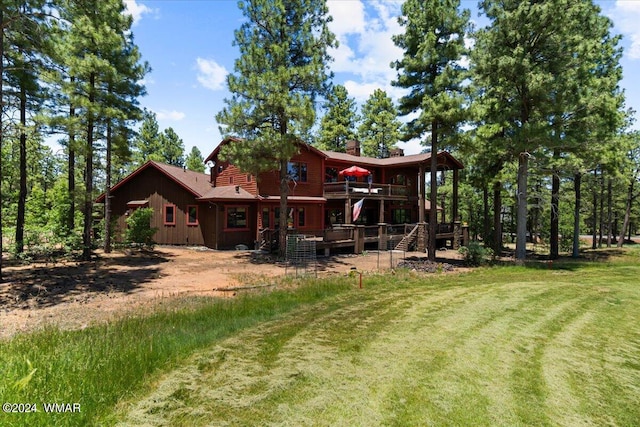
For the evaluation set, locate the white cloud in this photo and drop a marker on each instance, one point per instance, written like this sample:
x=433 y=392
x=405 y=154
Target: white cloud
x=364 y=33
x=625 y=15
x=136 y=10
x=210 y=74
x=170 y=115
x=348 y=17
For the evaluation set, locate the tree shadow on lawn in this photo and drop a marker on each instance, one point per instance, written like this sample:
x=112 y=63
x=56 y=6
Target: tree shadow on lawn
x=47 y=285
x=587 y=257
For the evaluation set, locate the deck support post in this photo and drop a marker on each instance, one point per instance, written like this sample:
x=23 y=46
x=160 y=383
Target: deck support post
x=423 y=237
x=456 y=177
x=382 y=236
x=421 y=194
x=358 y=235
x=457 y=235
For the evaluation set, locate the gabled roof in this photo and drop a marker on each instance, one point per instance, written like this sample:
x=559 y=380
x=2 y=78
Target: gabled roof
x=444 y=157
x=196 y=183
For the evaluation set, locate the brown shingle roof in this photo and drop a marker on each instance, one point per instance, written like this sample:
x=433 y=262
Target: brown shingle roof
x=444 y=157
x=195 y=182
x=229 y=192
x=412 y=159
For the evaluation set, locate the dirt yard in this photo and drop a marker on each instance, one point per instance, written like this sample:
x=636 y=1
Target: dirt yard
x=76 y=294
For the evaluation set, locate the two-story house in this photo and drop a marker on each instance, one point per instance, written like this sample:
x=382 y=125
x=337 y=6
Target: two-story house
x=229 y=207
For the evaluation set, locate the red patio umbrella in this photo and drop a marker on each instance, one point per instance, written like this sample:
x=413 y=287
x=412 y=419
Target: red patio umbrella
x=355 y=171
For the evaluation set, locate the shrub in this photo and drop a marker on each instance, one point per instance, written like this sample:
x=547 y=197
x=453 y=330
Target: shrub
x=475 y=254
x=139 y=231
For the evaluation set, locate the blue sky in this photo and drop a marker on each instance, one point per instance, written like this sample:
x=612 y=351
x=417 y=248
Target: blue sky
x=188 y=44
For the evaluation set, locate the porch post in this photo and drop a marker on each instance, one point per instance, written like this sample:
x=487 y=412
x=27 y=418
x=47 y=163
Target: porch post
x=382 y=236
x=421 y=187
x=455 y=195
x=381 y=212
x=347 y=210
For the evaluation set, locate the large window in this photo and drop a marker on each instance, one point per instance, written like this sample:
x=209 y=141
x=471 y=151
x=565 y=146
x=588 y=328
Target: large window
x=297 y=171
x=192 y=215
x=301 y=217
x=237 y=217
x=400 y=216
x=169 y=214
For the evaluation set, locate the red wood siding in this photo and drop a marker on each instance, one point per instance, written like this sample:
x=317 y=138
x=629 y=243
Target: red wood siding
x=228 y=239
x=159 y=190
x=269 y=182
x=228 y=174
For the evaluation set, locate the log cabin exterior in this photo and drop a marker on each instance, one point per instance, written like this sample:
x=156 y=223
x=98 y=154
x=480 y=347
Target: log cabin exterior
x=228 y=207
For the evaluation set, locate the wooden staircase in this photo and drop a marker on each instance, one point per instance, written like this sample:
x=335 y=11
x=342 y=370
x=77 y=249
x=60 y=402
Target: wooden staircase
x=408 y=240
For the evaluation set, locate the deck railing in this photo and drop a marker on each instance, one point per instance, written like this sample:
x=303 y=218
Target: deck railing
x=356 y=188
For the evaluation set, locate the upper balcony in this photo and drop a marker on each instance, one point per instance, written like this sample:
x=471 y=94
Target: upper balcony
x=347 y=189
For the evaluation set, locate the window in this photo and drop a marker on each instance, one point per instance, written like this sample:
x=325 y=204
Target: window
x=169 y=215
x=230 y=180
x=265 y=217
x=400 y=216
x=192 y=215
x=301 y=219
x=248 y=177
x=297 y=171
x=237 y=217
x=330 y=175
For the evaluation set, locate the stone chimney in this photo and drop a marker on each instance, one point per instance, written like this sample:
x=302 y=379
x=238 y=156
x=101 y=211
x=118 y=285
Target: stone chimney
x=396 y=152
x=353 y=147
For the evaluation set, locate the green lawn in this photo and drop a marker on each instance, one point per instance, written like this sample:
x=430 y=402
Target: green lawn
x=499 y=346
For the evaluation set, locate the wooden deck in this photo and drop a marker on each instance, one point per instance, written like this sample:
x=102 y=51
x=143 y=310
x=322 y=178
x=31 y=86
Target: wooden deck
x=387 y=237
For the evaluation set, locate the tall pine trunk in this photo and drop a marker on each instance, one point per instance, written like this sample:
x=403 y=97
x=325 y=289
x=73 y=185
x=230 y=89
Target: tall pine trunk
x=609 y=212
x=71 y=170
x=22 y=192
x=594 y=208
x=601 y=226
x=627 y=212
x=486 y=221
x=433 y=197
x=87 y=241
x=555 y=215
x=497 y=221
x=107 y=194
x=577 y=182
x=1 y=127
x=521 y=215
x=284 y=192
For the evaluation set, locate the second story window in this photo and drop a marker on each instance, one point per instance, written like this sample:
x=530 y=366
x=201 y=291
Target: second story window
x=297 y=171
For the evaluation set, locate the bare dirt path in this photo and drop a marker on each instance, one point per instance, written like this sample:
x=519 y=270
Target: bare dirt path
x=74 y=294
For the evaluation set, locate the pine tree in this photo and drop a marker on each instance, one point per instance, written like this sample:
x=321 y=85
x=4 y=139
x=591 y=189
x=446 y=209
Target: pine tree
x=147 y=144
x=433 y=44
x=171 y=148
x=539 y=66
x=195 y=161
x=380 y=127
x=282 y=67
x=122 y=92
x=339 y=122
x=23 y=26
x=94 y=39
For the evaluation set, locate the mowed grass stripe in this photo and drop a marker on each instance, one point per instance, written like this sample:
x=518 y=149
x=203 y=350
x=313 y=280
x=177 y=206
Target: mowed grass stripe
x=418 y=354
